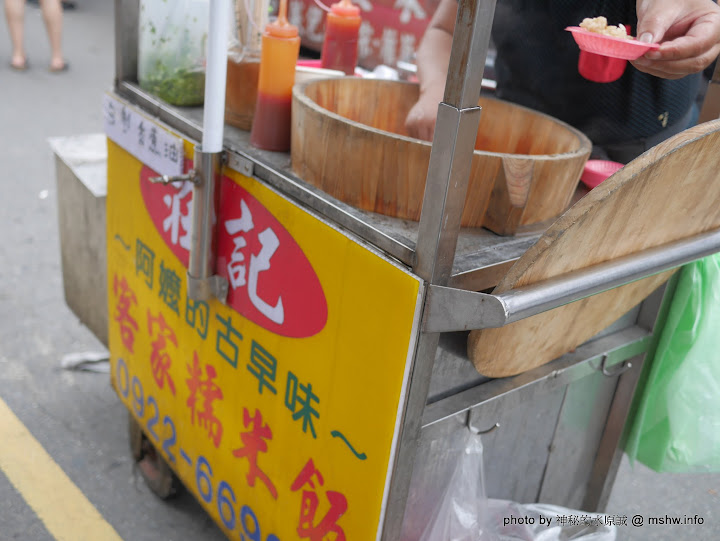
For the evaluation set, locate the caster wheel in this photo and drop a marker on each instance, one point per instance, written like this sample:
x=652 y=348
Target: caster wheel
x=154 y=470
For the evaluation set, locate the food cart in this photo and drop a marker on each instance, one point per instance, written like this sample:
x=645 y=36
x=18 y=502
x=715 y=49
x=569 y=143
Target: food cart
x=312 y=376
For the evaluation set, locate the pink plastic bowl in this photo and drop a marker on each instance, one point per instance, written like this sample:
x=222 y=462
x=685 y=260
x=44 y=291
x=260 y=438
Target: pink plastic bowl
x=598 y=170
x=592 y=42
x=310 y=63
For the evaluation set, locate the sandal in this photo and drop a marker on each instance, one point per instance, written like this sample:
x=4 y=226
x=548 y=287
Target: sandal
x=22 y=67
x=64 y=67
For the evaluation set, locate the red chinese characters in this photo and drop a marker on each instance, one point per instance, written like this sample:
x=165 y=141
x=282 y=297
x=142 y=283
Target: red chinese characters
x=125 y=300
x=209 y=391
x=160 y=360
x=310 y=527
x=254 y=444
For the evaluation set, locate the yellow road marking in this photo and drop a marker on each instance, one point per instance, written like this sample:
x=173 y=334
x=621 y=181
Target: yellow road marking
x=65 y=511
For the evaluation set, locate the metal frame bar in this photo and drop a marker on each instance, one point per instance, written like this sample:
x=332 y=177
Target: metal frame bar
x=206 y=197
x=445 y=191
x=585 y=360
x=127 y=17
x=453 y=142
x=609 y=453
x=202 y=282
x=457 y=310
x=653 y=316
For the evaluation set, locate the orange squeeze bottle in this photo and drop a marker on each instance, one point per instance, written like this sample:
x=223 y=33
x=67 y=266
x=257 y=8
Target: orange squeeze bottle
x=278 y=57
x=340 y=47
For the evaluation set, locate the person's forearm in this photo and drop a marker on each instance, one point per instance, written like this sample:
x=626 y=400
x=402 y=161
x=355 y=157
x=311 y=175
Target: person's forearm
x=433 y=58
x=433 y=55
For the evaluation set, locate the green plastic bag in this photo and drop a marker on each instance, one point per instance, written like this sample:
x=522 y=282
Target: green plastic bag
x=677 y=421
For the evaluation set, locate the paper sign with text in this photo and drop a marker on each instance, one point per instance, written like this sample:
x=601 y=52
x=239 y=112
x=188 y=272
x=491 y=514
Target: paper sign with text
x=142 y=137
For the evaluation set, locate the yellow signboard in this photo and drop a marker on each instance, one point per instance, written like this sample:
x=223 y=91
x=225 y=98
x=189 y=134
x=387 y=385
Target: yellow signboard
x=279 y=410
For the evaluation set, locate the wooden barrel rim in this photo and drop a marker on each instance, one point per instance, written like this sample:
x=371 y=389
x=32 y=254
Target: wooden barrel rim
x=584 y=147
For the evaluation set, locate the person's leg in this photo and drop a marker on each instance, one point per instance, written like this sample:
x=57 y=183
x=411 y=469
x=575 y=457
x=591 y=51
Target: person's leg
x=52 y=15
x=15 y=15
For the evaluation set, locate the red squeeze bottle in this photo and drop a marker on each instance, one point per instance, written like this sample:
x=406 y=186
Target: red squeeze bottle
x=279 y=54
x=340 y=47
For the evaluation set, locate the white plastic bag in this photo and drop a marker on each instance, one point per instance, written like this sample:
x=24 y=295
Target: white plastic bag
x=510 y=521
x=462 y=511
x=465 y=514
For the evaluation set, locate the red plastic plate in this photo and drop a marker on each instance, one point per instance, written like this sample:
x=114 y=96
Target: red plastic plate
x=598 y=170
x=592 y=42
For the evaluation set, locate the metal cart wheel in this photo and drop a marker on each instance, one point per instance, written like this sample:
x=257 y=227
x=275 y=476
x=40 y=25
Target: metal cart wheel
x=154 y=470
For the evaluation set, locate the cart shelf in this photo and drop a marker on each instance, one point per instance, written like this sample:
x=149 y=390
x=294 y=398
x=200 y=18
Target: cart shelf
x=481 y=259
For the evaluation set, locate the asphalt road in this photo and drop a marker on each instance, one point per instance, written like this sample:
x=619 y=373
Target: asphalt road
x=75 y=416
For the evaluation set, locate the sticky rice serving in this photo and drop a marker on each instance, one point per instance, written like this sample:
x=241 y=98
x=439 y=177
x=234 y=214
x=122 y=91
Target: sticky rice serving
x=599 y=25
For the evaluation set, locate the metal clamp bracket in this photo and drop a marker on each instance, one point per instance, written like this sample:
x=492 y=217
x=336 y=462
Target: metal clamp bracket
x=624 y=367
x=207 y=288
x=190 y=176
x=241 y=164
x=203 y=284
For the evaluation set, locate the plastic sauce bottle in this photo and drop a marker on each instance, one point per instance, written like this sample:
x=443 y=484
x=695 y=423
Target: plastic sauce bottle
x=241 y=90
x=243 y=65
x=340 y=47
x=280 y=50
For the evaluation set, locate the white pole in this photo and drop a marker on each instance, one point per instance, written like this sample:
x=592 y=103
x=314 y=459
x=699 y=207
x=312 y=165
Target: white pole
x=216 y=76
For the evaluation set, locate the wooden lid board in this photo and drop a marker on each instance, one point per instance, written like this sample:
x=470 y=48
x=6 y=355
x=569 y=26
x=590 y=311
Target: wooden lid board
x=669 y=193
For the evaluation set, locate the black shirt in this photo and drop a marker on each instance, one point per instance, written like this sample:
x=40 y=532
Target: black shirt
x=536 y=66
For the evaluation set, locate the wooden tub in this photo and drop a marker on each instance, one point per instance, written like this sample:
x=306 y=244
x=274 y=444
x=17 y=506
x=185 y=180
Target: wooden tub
x=349 y=139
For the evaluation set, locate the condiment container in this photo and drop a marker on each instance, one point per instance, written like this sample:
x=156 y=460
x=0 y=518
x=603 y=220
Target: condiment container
x=280 y=49
x=171 y=50
x=340 y=46
x=243 y=66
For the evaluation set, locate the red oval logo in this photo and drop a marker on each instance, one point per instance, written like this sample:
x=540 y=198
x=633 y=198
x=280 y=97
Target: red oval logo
x=170 y=209
x=271 y=282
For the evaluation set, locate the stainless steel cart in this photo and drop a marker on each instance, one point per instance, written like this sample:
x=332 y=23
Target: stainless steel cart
x=552 y=434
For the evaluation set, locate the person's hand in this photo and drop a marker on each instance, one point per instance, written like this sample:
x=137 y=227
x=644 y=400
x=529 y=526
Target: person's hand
x=420 y=121
x=688 y=32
